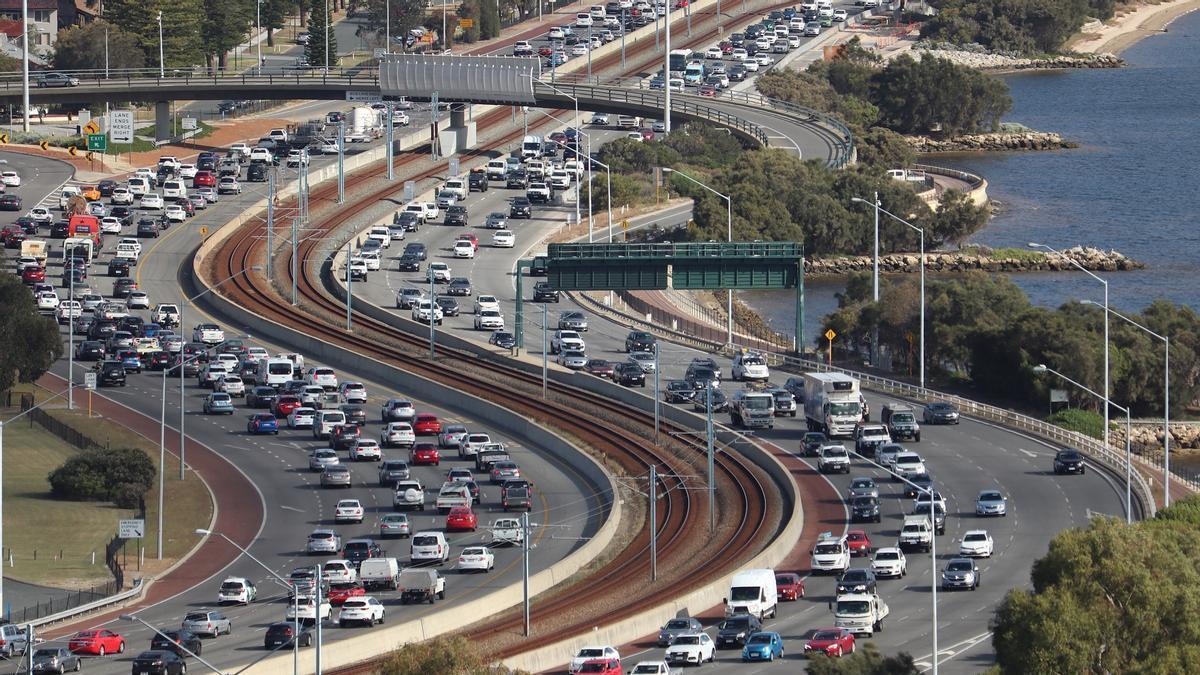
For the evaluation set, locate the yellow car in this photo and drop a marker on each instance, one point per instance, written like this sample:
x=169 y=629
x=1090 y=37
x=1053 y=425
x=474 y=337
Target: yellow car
x=90 y=193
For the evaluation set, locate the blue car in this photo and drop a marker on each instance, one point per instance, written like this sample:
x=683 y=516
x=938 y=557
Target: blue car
x=131 y=361
x=151 y=330
x=262 y=423
x=763 y=646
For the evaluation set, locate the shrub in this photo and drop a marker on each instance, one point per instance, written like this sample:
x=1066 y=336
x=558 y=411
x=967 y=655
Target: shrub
x=118 y=475
x=1084 y=421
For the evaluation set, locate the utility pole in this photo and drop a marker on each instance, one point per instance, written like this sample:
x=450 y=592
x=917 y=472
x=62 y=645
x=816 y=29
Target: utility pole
x=270 y=218
x=341 y=139
x=391 y=171
x=653 y=521
x=712 y=486
x=525 y=564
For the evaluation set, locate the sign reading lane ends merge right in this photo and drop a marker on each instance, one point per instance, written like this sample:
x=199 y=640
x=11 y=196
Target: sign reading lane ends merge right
x=120 y=126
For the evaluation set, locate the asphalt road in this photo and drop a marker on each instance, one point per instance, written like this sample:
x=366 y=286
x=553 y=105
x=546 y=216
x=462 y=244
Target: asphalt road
x=293 y=502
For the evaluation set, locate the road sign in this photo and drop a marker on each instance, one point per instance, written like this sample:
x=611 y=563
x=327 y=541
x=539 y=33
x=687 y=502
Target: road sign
x=453 y=172
x=364 y=96
x=132 y=528
x=4 y=138
x=120 y=126
x=466 y=23
x=73 y=151
x=44 y=145
x=89 y=381
x=91 y=156
x=97 y=142
x=829 y=334
x=204 y=232
x=91 y=127
x=189 y=123
x=410 y=190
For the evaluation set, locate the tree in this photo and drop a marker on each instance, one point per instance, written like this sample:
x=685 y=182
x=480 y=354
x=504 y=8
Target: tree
x=225 y=26
x=489 y=19
x=1028 y=26
x=405 y=15
x=181 y=44
x=320 y=29
x=32 y=341
x=272 y=15
x=866 y=660
x=883 y=149
x=118 y=475
x=937 y=95
x=95 y=46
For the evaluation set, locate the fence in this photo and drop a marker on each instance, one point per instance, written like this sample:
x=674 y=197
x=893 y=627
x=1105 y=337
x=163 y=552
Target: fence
x=61 y=603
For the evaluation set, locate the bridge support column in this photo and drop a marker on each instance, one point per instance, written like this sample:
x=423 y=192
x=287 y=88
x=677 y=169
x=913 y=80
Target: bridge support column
x=162 y=121
x=460 y=135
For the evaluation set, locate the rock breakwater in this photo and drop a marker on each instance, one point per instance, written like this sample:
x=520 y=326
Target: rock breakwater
x=977 y=258
x=977 y=57
x=1022 y=140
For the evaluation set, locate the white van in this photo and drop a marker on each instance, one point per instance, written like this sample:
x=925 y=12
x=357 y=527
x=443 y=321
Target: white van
x=326 y=421
x=753 y=592
x=429 y=547
x=277 y=372
x=139 y=186
x=173 y=189
x=67 y=193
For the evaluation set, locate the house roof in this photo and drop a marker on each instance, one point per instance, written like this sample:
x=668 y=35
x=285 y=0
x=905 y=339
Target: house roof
x=10 y=28
x=15 y=5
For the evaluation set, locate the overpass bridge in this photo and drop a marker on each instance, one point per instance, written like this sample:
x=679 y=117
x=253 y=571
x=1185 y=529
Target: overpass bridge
x=763 y=121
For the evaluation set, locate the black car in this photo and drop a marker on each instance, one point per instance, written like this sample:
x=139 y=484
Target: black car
x=257 y=173
x=700 y=377
x=176 y=641
x=503 y=339
x=158 y=662
x=159 y=360
x=261 y=397
x=449 y=305
x=678 y=391
x=544 y=292
x=718 y=399
x=102 y=329
x=89 y=350
x=281 y=634
x=517 y=180
x=1068 y=461
x=112 y=374
x=28 y=225
x=408 y=220
x=123 y=287
x=10 y=203
x=940 y=412
x=639 y=341
x=939 y=516
x=408 y=263
x=539 y=267
x=60 y=230
x=812 y=443
x=118 y=267
x=459 y=286
x=856 y=580
x=737 y=73
x=629 y=374
x=521 y=207
x=455 y=215
x=106 y=187
x=147 y=227
x=417 y=249
x=358 y=550
x=864 y=509
x=732 y=632
x=355 y=414
x=918 y=484
x=123 y=214
x=478 y=180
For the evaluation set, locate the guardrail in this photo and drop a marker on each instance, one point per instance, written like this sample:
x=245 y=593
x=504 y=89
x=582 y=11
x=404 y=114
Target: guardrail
x=965 y=176
x=190 y=79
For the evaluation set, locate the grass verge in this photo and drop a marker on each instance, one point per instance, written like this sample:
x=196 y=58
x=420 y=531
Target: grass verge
x=1019 y=254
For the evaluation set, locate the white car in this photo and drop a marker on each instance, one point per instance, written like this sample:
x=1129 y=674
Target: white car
x=566 y=339
x=477 y=559
x=176 y=214
x=365 y=609
x=504 y=239
x=228 y=185
x=382 y=234
x=41 y=215
x=750 y=366
x=372 y=259
x=420 y=312
x=348 y=511
x=691 y=648
x=230 y=384
x=47 y=301
x=908 y=464
x=353 y=392
x=97 y=209
x=713 y=53
x=301 y=418
x=591 y=652
x=486 y=302
x=10 y=178
x=121 y=196
x=256 y=354
x=463 y=248
x=151 y=200
x=645 y=361
x=489 y=319
x=398 y=434
x=305 y=609
x=187 y=170
x=750 y=63
x=138 y=300
x=366 y=450
x=439 y=272
x=110 y=225
x=764 y=59
x=572 y=358
x=924 y=498
x=976 y=544
x=889 y=562
x=323 y=377
x=600 y=119
x=260 y=154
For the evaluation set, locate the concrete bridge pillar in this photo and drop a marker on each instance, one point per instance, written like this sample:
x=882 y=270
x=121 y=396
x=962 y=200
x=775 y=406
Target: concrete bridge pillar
x=162 y=121
x=460 y=135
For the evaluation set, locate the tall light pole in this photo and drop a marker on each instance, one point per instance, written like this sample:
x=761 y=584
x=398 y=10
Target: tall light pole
x=577 y=126
x=608 y=172
x=327 y=28
x=387 y=31
x=921 y=231
x=1042 y=368
x=1166 y=398
x=258 y=29
x=1107 y=390
x=729 y=233
x=162 y=68
x=25 y=64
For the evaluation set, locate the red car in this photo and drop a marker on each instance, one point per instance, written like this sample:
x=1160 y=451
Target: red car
x=545 y=51
x=97 y=642
x=707 y=91
x=339 y=593
x=424 y=453
x=832 y=641
x=204 y=179
x=790 y=586
x=12 y=235
x=647 y=134
x=33 y=275
x=858 y=542
x=461 y=518
x=601 y=667
x=427 y=424
x=471 y=238
x=726 y=47
x=284 y=405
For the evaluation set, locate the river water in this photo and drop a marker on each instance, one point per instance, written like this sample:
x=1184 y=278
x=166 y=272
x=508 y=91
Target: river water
x=1131 y=186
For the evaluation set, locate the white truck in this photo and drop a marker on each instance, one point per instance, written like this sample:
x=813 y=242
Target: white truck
x=453 y=494
x=531 y=147
x=916 y=533
x=363 y=125
x=379 y=573
x=752 y=409
x=507 y=531
x=753 y=592
x=832 y=403
x=421 y=585
x=860 y=613
x=35 y=248
x=653 y=668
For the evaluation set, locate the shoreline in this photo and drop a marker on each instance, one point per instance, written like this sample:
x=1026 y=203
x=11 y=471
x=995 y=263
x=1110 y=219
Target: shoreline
x=1130 y=28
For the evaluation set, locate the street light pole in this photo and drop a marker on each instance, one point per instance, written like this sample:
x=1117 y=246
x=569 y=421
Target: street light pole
x=1043 y=368
x=25 y=64
x=258 y=29
x=545 y=352
x=161 y=59
x=729 y=234
x=1166 y=397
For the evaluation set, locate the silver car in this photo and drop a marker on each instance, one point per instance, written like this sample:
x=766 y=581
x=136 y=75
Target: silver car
x=54 y=660
x=320 y=459
x=207 y=623
x=573 y=320
x=644 y=360
x=863 y=486
x=323 y=541
x=394 y=525
x=391 y=471
x=991 y=503
x=572 y=359
x=336 y=476
x=452 y=435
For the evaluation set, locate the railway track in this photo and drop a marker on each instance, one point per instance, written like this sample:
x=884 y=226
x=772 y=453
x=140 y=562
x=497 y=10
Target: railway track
x=746 y=512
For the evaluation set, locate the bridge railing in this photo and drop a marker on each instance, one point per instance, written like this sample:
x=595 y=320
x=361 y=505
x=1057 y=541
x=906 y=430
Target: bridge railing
x=129 y=77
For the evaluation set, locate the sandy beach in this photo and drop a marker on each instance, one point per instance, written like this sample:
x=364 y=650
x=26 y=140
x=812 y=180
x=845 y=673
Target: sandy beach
x=1128 y=27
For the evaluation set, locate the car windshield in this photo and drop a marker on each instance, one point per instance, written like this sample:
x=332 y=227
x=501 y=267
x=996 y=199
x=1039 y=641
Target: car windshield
x=853 y=607
x=676 y=624
x=962 y=566
x=759 y=639
x=828 y=549
x=975 y=536
x=887 y=555
x=737 y=623
x=826 y=634
x=744 y=593
x=862 y=483
x=990 y=497
x=231 y=586
x=835 y=452
x=687 y=640
x=588 y=653
x=846 y=409
x=855 y=575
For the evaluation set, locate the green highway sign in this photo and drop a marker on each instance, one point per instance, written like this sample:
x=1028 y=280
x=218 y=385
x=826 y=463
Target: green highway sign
x=97 y=142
